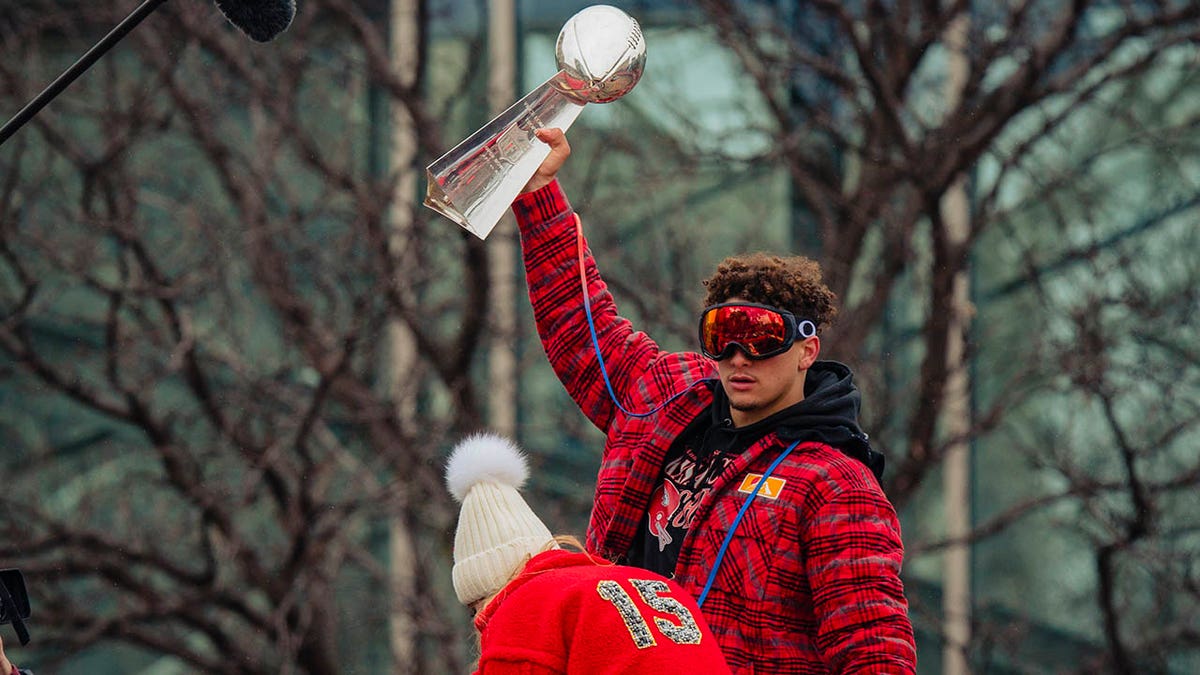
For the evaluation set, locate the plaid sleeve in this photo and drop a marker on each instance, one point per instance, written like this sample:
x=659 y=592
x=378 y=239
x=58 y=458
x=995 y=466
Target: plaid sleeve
x=550 y=249
x=854 y=556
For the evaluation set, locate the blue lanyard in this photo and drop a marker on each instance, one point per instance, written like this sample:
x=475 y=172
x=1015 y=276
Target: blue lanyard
x=738 y=521
x=587 y=309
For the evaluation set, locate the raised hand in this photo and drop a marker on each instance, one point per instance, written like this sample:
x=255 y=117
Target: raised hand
x=560 y=149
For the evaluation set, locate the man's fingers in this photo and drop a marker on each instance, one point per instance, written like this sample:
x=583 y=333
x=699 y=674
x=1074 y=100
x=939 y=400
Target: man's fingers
x=556 y=139
x=560 y=149
x=551 y=135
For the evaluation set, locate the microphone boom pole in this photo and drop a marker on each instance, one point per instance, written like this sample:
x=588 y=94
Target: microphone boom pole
x=70 y=74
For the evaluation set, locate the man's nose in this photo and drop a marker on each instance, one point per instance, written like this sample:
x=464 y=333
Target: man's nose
x=739 y=357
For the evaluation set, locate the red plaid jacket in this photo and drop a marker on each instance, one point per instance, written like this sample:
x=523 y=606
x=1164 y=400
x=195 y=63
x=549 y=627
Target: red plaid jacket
x=811 y=580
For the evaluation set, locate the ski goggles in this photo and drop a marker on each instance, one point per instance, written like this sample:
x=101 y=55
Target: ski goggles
x=760 y=331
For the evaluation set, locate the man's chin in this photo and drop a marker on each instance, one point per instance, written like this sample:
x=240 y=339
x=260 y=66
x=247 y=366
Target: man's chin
x=744 y=406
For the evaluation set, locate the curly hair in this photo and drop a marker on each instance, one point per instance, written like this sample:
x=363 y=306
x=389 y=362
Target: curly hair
x=791 y=283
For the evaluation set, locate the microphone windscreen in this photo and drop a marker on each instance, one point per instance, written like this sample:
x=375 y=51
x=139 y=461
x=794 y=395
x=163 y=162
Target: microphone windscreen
x=262 y=20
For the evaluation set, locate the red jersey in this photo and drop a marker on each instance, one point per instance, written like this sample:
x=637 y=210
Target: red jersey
x=569 y=612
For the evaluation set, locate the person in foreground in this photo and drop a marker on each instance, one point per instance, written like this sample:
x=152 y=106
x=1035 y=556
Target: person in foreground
x=541 y=609
x=8 y=667
x=740 y=471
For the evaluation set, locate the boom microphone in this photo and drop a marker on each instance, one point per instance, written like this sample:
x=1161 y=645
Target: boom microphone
x=261 y=20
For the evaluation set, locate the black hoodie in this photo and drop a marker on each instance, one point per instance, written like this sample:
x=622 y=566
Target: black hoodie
x=828 y=414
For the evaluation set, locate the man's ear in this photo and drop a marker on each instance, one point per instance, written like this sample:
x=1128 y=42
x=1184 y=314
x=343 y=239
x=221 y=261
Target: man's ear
x=810 y=349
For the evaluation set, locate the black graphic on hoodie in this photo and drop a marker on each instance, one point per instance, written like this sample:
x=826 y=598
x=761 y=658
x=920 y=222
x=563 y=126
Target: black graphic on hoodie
x=828 y=414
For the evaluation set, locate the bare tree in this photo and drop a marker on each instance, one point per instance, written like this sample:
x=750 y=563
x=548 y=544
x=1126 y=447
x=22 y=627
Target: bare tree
x=198 y=268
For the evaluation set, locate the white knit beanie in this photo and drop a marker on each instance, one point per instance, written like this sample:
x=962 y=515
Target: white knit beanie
x=497 y=531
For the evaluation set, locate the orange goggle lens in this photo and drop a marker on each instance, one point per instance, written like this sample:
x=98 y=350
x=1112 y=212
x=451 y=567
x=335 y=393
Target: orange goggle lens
x=759 y=331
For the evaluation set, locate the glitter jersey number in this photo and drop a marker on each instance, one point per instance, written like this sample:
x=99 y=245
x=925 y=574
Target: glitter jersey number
x=686 y=632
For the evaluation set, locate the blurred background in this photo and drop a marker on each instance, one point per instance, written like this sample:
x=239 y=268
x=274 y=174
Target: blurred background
x=235 y=349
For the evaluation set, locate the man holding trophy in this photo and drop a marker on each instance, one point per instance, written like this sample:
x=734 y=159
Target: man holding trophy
x=739 y=471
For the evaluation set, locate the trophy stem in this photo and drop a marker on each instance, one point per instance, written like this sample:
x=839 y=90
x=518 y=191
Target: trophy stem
x=475 y=182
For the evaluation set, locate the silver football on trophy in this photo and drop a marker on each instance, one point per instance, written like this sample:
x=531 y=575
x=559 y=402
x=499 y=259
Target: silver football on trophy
x=601 y=55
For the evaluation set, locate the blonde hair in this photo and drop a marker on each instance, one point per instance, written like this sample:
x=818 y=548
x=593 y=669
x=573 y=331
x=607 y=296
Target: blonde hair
x=560 y=541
